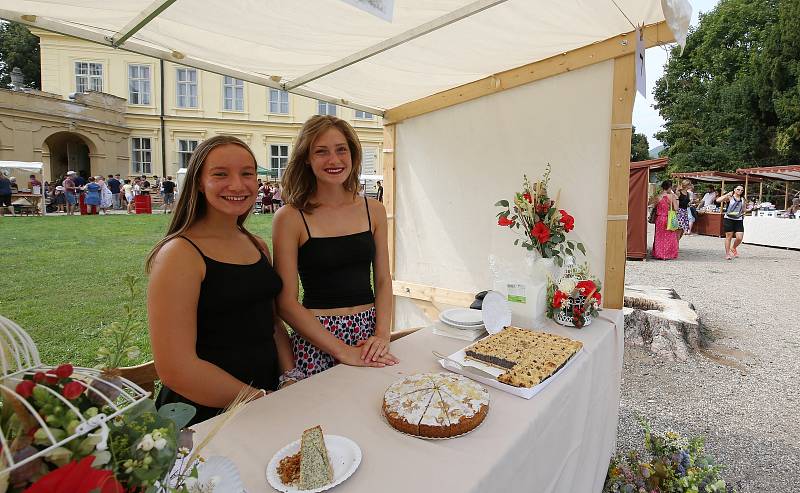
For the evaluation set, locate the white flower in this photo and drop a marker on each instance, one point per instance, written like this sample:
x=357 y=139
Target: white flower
x=156 y=434
x=567 y=285
x=160 y=443
x=146 y=443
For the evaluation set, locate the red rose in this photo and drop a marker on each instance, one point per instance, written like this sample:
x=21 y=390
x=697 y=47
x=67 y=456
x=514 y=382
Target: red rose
x=77 y=477
x=567 y=220
x=25 y=388
x=72 y=390
x=50 y=378
x=39 y=377
x=527 y=197
x=586 y=287
x=542 y=208
x=558 y=298
x=541 y=232
x=63 y=371
x=596 y=296
x=504 y=221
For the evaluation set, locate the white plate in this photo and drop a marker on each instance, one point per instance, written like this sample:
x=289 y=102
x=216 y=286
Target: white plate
x=496 y=312
x=457 y=325
x=343 y=453
x=462 y=316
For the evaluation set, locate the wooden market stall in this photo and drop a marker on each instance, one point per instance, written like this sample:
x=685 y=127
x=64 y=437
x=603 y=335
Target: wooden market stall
x=469 y=106
x=638 y=195
x=709 y=222
x=774 y=228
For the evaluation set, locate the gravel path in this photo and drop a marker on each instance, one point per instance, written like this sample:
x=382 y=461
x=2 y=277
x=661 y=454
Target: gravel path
x=743 y=394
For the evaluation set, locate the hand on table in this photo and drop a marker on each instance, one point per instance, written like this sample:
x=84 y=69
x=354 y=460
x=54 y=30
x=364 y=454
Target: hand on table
x=373 y=348
x=352 y=356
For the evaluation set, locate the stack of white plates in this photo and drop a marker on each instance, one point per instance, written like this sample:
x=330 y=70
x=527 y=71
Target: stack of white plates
x=460 y=323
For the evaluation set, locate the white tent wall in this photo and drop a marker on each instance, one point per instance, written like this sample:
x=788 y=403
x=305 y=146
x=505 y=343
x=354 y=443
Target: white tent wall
x=452 y=165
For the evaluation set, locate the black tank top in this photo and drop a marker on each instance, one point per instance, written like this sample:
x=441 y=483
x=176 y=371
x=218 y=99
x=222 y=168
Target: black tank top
x=683 y=200
x=235 y=325
x=336 y=271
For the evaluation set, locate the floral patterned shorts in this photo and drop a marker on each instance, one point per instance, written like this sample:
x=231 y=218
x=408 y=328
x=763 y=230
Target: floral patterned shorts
x=347 y=328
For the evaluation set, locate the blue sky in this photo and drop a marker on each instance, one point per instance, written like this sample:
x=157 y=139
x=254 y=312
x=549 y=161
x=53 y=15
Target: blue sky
x=645 y=118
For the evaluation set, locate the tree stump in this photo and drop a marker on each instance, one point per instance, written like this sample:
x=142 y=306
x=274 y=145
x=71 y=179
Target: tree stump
x=658 y=320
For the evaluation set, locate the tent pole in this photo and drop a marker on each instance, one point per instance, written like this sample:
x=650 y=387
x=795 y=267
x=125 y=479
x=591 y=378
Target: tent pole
x=389 y=143
x=619 y=164
x=760 y=192
x=746 y=179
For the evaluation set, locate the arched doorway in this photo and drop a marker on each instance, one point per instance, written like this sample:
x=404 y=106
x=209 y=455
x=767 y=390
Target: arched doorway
x=68 y=152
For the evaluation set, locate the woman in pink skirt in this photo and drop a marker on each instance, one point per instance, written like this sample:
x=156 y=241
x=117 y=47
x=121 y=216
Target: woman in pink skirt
x=665 y=243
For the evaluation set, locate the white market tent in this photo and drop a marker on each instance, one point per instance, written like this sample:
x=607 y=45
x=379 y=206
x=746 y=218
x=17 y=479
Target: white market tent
x=14 y=167
x=473 y=94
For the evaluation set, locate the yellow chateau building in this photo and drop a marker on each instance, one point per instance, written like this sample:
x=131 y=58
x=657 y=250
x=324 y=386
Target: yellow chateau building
x=166 y=110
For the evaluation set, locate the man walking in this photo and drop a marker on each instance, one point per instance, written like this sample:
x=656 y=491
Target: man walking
x=70 y=189
x=114 y=186
x=168 y=186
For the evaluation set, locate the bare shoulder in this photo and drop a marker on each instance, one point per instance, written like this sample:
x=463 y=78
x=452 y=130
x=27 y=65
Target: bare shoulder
x=286 y=217
x=376 y=209
x=177 y=253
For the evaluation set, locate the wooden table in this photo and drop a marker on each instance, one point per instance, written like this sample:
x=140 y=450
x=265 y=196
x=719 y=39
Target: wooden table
x=709 y=224
x=35 y=200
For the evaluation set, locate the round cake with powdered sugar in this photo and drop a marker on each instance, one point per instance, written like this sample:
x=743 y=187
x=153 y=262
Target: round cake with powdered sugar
x=435 y=405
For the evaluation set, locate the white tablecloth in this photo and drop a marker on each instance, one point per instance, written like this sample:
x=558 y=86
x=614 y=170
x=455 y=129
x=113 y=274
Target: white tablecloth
x=772 y=231
x=558 y=441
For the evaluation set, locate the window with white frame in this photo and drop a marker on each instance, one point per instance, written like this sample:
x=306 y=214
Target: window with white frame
x=141 y=156
x=278 y=157
x=88 y=76
x=185 y=149
x=278 y=101
x=187 y=88
x=139 y=84
x=232 y=94
x=363 y=115
x=325 y=108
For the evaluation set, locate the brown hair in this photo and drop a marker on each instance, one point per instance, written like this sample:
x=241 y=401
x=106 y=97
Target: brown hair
x=299 y=182
x=191 y=204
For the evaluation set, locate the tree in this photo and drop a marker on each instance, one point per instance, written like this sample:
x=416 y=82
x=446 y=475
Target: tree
x=19 y=48
x=732 y=99
x=640 y=149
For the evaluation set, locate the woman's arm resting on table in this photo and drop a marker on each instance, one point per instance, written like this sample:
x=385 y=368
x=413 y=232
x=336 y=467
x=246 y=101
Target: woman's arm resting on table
x=285 y=242
x=172 y=295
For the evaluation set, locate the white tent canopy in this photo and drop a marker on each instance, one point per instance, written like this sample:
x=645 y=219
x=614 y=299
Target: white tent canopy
x=335 y=51
x=33 y=167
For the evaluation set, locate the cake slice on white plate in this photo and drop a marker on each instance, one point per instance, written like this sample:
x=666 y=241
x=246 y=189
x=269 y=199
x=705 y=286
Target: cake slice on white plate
x=315 y=467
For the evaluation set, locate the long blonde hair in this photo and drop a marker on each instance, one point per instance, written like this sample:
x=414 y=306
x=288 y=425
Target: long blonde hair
x=299 y=183
x=191 y=203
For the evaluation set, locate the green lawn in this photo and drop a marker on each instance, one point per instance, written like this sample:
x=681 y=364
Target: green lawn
x=62 y=277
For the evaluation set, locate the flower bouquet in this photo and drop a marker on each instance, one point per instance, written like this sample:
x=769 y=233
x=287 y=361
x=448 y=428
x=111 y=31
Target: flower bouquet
x=536 y=218
x=575 y=299
x=675 y=464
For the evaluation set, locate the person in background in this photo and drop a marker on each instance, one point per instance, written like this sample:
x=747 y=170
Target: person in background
x=70 y=192
x=127 y=189
x=794 y=209
x=14 y=186
x=337 y=243
x=708 y=198
x=683 y=208
x=144 y=186
x=59 y=201
x=168 y=186
x=266 y=197
x=80 y=180
x=92 y=199
x=33 y=182
x=665 y=242
x=211 y=296
x=114 y=186
x=733 y=221
x=5 y=195
x=106 y=197
x=276 y=197
x=379 y=197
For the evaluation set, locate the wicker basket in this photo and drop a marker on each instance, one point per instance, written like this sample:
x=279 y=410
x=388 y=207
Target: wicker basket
x=564 y=315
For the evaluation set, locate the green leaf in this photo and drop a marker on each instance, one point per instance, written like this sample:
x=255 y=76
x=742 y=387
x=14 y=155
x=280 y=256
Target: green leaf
x=179 y=412
x=516 y=242
x=582 y=248
x=502 y=203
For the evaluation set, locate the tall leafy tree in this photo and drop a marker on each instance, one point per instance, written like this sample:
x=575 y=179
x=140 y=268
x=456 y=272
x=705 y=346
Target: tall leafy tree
x=19 y=48
x=731 y=100
x=640 y=149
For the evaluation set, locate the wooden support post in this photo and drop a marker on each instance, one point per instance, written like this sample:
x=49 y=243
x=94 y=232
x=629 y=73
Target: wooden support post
x=760 y=192
x=623 y=93
x=786 y=197
x=389 y=142
x=746 y=179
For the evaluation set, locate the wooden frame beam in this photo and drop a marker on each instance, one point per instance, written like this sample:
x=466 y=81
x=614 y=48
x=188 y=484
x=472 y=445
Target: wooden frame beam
x=389 y=143
x=625 y=44
x=623 y=94
x=432 y=294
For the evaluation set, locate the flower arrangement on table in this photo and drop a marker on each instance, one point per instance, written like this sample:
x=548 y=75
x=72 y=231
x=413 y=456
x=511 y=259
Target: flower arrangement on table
x=535 y=217
x=575 y=299
x=675 y=464
x=79 y=430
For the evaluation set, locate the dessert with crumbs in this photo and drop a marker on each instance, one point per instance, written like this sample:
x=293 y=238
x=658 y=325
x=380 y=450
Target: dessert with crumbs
x=310 y=467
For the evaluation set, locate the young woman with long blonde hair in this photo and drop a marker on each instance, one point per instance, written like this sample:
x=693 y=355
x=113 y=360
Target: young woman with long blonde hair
x=335 y=241
x=210 y=300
